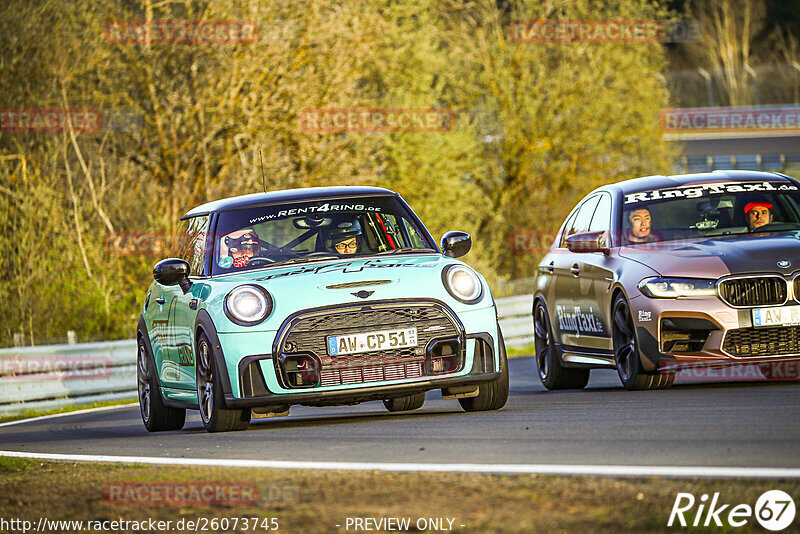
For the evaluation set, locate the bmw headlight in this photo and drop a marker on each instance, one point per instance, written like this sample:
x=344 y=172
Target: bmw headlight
x=670 y=288
x=462 y=283
x=248 y=305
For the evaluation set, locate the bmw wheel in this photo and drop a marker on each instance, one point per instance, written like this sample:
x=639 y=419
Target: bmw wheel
x=156 y=416
x=215 y=415
x=551 y=372
x=626 y=351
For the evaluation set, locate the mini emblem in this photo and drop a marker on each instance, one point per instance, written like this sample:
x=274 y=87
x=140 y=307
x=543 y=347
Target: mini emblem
x=784 y=264
x=362 y=294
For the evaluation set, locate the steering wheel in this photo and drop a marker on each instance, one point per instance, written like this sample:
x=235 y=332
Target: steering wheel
x=255 y=260
x=318 y=254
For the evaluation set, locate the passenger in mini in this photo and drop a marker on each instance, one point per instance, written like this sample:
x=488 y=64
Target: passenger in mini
x=345 y=237
x=241 y=246
x=758 y=214
x=639 y=232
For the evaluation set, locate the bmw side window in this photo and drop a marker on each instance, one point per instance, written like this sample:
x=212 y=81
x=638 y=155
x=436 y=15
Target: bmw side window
x=584 y=216
x=193 y=244
x=567 y=226
x=601 y=220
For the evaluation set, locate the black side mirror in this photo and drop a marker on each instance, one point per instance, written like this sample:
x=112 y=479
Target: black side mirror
x=173 y=271
x=456 y=244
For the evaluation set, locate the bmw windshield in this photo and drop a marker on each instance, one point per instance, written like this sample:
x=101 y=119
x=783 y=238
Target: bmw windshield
x=299 y=232
x=710 y=210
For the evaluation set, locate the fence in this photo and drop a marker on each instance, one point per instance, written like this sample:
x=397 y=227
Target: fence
x=52 y=376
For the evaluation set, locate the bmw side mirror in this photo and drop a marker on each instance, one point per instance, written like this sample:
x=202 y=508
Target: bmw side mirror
x=589 y=242
x=173 y=271
x=456 y=244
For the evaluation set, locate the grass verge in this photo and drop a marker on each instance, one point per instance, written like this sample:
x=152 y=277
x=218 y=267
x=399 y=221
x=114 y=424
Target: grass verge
x=71 y=408
x=318 y=501
x=519 y=352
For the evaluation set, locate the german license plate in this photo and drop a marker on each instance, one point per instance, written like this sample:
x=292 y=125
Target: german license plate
x=779 y=316
x=372 y=341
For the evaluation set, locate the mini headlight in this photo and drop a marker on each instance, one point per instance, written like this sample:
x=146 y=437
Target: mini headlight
x=462 y=283
x=670 y=288
x=248 y=305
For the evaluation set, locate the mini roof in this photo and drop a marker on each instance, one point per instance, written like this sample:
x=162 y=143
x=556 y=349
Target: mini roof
x=287 y=195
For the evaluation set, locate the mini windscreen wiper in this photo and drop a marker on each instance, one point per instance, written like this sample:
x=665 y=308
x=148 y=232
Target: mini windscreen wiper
x=405 y=250
x=306 y=259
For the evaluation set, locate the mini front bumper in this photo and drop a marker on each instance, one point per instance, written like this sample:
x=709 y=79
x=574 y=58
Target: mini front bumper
x=255 y=392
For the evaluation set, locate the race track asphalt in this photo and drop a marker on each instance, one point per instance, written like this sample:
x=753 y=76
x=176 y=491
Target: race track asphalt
x=751 y=424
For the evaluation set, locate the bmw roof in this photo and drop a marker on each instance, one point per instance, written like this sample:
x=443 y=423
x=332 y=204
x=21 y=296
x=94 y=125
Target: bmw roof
x=678 y=180
x=287 y=195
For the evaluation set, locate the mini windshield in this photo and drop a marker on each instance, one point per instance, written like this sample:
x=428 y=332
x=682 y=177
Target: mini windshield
x=707 y=210
x=302 y=232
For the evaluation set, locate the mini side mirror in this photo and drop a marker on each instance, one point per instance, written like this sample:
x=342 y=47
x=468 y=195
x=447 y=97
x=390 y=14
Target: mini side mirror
x=456 y=244
x=588 y=242
x=173 y=271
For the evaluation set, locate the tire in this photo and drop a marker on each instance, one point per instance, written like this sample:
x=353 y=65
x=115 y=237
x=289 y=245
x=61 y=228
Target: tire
x=215 y=415
x=404 y=404
x=491 y=395
x=626 y=351
x=156 y=416
x=551 y=372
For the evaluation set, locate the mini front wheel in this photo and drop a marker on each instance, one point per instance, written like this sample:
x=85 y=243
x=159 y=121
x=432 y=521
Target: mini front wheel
x=156 y=416
x=491 y=395
x=215 y=415
x=404 y=404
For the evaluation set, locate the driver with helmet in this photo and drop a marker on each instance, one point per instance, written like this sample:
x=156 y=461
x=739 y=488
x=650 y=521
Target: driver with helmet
x=344 y=237
x=239 y=246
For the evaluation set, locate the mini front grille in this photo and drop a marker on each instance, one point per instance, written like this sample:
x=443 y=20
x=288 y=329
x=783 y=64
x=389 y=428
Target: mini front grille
x=772 y=341
x=307 y=333
x=396 y=371
x=757 y=291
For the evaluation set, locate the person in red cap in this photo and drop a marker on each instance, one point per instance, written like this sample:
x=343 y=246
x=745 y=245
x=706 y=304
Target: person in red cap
x=758 y=214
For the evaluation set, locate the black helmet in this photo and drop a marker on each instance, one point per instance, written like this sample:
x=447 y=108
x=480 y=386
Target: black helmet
x=342 y=231
x=248 y=241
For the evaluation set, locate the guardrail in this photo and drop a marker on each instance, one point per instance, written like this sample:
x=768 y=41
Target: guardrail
x=516 y=320
x=52 y=376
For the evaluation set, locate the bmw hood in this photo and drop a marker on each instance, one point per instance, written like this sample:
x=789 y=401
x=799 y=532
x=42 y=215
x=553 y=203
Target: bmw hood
x=721 y=256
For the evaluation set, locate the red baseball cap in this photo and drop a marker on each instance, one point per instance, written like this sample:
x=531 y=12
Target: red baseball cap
x=752 y=205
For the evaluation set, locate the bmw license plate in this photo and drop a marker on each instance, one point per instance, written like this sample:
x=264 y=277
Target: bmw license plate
x=372 y=341
x=779 y=316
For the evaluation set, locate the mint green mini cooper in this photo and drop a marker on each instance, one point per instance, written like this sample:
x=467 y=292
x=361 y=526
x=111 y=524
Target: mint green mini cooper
x=318 y=297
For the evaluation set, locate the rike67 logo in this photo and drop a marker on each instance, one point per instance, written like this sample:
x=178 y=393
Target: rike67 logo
x=774 y=510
